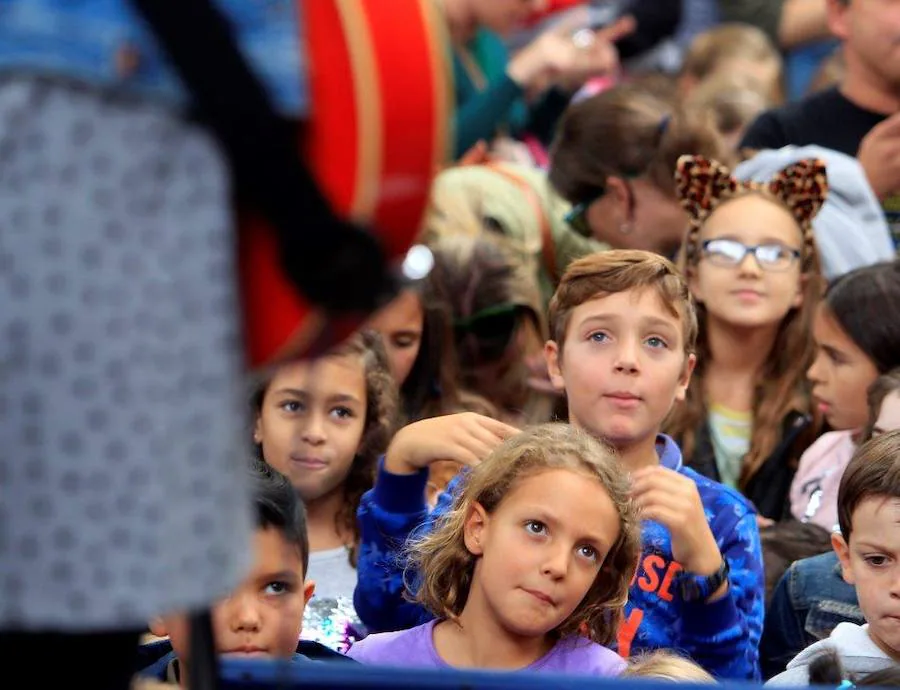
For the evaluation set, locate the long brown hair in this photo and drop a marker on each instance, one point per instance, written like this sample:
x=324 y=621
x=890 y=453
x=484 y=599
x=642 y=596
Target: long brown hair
x=446 y=566
x=382 y=414
x=781 y=386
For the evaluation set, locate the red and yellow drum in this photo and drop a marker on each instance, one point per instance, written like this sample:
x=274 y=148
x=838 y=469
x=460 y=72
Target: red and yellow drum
x=379 y=128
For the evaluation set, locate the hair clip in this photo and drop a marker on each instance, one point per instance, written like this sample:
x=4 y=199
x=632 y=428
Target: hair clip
x=664 y=124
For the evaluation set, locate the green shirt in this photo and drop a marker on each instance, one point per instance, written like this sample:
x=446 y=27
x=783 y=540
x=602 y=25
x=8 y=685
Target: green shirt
x=485 y=109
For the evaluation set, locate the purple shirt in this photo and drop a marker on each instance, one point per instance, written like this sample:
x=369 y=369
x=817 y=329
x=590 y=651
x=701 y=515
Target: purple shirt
x=414 y=648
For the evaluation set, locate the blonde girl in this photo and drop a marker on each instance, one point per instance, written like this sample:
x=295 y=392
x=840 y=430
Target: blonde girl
x=752 y=265
x=530 y=569
x=666 y=666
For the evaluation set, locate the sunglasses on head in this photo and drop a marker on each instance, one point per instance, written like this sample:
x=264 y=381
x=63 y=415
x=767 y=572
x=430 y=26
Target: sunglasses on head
x=577 y=217
x=488 y=332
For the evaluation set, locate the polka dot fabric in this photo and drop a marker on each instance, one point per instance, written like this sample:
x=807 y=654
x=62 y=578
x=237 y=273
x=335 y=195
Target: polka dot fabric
x=121 y=429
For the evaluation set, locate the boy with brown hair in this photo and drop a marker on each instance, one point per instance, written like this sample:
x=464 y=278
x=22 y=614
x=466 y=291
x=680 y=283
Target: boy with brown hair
x=623 y=328
x=868 y=547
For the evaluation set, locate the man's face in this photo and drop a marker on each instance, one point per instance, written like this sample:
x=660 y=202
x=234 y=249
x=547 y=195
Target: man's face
x=870 y=31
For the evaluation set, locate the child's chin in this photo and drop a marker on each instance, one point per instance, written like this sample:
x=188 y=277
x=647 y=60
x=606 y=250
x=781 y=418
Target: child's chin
x=620 y=435
x=246 y=655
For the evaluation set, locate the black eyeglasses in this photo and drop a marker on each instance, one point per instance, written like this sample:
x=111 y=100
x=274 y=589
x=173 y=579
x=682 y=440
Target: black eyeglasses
x=771 y=256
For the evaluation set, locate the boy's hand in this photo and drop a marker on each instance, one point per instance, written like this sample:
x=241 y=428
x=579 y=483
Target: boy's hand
x=673 y=500
x=466 y=438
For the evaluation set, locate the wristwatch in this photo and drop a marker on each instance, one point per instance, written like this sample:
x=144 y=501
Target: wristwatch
x=702 y=587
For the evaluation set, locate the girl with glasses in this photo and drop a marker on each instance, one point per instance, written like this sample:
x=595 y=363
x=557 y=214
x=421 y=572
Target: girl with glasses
x=752 y=264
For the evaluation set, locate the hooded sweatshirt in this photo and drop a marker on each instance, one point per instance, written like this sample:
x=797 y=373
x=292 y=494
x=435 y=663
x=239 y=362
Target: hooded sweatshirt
x=722 y=636
x=859 y=655
x=850 y=230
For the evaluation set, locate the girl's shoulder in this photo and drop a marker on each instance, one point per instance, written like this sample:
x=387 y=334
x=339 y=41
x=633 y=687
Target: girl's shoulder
x=578 y=655
x=824 y=448
x=403 y=647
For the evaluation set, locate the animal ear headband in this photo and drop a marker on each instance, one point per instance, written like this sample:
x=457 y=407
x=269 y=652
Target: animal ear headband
x=703 y=184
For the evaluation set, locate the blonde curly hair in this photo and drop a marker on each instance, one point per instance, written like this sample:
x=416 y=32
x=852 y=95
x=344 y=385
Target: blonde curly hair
x=445 y=566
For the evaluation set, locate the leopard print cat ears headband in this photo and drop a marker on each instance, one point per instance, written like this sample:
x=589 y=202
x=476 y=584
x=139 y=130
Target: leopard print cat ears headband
x=702 y=184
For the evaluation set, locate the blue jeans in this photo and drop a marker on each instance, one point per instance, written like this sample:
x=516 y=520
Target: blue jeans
x=808 y=603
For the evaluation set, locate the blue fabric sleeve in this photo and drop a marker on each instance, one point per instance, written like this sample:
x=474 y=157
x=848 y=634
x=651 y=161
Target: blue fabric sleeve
x=723 y=636
x=388 y=515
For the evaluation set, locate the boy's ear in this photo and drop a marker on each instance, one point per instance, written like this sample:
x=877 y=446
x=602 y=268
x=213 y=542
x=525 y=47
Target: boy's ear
x=309 y=588
x=685 y=380
x=158 y=626
x=474 y=530
x=257 y=432
x=843 y=553
x=694 y=284
x=551 y=355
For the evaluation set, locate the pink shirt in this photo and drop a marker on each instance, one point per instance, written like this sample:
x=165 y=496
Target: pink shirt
x=815 y=487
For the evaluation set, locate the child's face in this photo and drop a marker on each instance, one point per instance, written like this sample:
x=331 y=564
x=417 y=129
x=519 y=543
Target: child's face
x=747 y=295
x=763 y=75
x=889 y=415
x=841 y=374
x=312 y=421
x=264 y=615
x=400 y=324
x=540 y=550
x=871 y=562
x=622 y=366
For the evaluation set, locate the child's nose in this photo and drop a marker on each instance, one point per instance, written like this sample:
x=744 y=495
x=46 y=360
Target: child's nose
x=813 y=372
x=244 y=613
x=556 y=563
x=627 y=356
x=750 y=265
x=314 y=430
x=894 y=584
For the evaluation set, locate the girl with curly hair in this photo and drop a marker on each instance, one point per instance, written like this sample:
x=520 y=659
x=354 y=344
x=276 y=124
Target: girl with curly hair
x=324 y=424
x=530 y=569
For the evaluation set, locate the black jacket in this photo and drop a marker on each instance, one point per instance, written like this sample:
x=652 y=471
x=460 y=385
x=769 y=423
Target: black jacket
x=769 y=488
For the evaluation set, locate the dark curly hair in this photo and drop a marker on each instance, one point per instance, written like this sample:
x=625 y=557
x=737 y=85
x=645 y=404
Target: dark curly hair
x=382 y=415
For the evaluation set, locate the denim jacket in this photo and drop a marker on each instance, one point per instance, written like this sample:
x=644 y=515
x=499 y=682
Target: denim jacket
x=106 y=44
x=809 y=602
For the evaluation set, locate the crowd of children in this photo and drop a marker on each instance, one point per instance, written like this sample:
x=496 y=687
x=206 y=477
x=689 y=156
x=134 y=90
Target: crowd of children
x=635 y=421
x=641 y=418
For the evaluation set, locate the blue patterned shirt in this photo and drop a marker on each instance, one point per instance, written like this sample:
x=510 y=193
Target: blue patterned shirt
x=722 y=636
